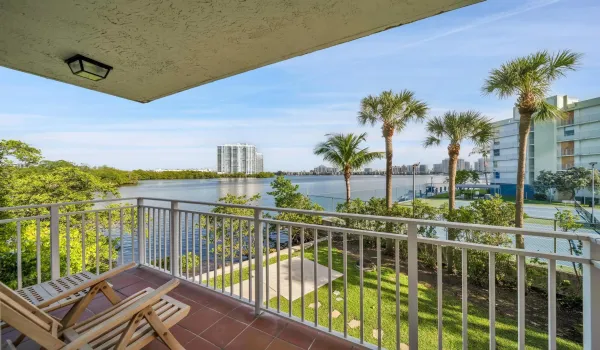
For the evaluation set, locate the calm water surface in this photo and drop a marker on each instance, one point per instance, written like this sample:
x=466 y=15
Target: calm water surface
x=325 y=190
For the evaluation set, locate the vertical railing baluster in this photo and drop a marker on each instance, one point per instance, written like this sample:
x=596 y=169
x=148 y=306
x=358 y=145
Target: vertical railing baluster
x=154 y=238
x=290 y=230
x=68 y=242
x=277 y=243
x=345 y=277
x=131 y=238
x=551 y=304
x=250 y=235
x=149 y=239
x=223 y=255
x=194 y=248
x=413 y=286
x=121 y=234
x=361 y=290
x=231 y=257
x=19 y=257
x=240 y=248
x=160 y=253
x=330 y=284
x=141 y=232
x=54 y=242
x=397 y=267
x=215 y=254
x=168 y=242
x=590 y=287
x=97 y=245
x=207 y=239
x=492 y=301
x=378 y=243
x=174 y=239
x=258 y=252
x=109 y=239
x=316 y=263
x=521 y=300
x=302 y=273
x=83 y=257
x=187 y=247
x=38 y=248
x=465 y=306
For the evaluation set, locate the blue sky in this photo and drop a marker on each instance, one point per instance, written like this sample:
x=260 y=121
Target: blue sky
x=287 y=108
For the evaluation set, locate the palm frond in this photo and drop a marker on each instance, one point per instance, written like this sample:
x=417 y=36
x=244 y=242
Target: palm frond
x=344 y=151
x=391 y=109
x=546 y=112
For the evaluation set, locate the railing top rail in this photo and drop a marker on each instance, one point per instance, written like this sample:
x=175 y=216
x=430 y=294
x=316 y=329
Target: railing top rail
x=398 y=220
x=439 y=241
x=48 y=205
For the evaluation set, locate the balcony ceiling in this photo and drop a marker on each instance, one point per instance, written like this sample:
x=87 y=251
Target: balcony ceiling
x=158 y=48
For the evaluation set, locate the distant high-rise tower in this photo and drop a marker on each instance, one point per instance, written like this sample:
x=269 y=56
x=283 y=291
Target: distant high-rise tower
x=260 y=167
x=237 y=158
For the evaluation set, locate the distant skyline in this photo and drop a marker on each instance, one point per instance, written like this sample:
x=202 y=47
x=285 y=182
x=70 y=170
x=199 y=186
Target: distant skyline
x=285 y=109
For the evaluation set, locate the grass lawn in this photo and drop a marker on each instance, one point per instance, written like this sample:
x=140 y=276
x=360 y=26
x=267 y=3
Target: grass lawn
x=506 y=328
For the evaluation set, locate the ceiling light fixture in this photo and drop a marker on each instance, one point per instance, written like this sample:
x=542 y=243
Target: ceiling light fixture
x=88 y=68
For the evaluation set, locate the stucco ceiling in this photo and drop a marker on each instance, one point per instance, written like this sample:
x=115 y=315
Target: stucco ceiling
x=160 y=47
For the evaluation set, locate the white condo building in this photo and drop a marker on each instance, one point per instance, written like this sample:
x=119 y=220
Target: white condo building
x=237 y=158
x=553 y=145
x=260 y=166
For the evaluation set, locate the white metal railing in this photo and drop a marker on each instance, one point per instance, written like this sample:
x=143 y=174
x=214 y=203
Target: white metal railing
x=229 y=251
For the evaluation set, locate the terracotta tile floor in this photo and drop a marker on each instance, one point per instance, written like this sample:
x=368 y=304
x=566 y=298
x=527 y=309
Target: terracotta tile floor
x=215 y=321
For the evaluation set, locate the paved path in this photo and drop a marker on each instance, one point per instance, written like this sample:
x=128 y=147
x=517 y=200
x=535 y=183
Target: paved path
x=297 y=281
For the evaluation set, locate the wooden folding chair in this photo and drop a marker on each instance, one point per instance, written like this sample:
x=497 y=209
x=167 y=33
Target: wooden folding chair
x=79 y=289
x=131 y=324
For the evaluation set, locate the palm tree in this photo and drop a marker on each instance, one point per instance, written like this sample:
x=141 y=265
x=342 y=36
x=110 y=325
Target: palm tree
x=394 y=112
x=485 y=153
x=457 y=127
x=345 y=151
x=530 y=79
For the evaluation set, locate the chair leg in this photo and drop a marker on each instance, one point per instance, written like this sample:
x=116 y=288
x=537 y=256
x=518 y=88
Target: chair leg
x=76 y=310
x=162 y=331
x=109 y=292
x=19 y=339
x=131 y=328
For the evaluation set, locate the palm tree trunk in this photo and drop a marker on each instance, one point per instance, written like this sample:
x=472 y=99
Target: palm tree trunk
x=485 y=170
x=524 y=127
x=347 y=175
x=453 y=152
x=389 y=154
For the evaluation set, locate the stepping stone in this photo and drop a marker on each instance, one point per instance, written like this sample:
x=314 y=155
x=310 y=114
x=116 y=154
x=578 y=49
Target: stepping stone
x=354 y=324
x=376 y=333
x=312 y=305
x=335 y=314
x=336 y=293
x=404 y=347
x=339 y=299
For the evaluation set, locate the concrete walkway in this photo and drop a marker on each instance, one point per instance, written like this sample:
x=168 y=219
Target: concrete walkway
x=284 y=278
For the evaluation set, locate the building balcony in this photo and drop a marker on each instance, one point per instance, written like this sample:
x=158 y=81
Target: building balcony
x=591 y=118
x=565 y=152
x=579 y=135
x=243 y=295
